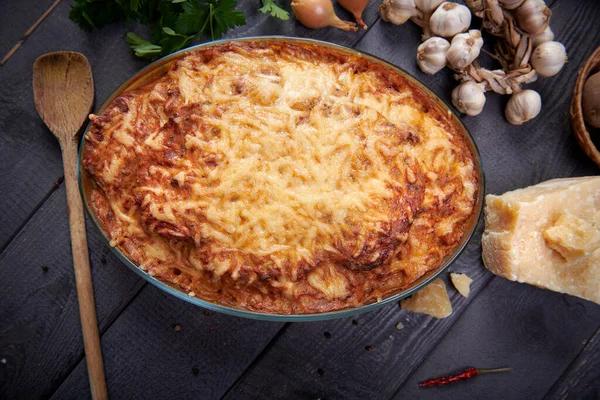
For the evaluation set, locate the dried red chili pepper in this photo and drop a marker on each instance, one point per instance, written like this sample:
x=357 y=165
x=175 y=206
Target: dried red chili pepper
x=466 y=374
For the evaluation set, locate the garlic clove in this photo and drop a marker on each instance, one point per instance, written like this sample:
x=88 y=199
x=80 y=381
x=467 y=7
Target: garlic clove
x=523 y=106
x=469 y=98
x=510 y=4
x=548 y=58
x=427 y=6
x=450 y=19
x=533 y=16
x=431 y=54
x=543 y=37
x=397 y=11
x=464 y=49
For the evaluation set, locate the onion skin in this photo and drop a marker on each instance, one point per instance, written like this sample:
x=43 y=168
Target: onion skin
x=356 y=7
x=591 y=100
x=316 y=14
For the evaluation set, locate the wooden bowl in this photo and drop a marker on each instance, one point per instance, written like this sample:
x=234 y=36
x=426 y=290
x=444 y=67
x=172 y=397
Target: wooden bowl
x=590 y=67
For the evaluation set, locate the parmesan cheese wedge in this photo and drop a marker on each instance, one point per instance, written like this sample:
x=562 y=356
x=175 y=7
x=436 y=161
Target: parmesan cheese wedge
x=547 y=235
x=431 y=300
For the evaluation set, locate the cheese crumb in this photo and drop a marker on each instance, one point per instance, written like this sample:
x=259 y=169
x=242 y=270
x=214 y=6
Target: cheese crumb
x=431 y=300
x=399 y=325
x=462 y=283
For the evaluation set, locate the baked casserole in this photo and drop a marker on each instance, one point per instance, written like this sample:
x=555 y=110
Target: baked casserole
x=281 y=178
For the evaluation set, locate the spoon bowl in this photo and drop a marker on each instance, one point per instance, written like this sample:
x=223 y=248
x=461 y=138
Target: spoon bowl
x=63 y=89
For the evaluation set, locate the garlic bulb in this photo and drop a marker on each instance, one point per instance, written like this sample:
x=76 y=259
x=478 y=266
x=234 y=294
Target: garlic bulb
x=543 y=37
x=450 y=19
x=468 y=98
x=523 y=106
x=431 y=54
x=533 y=16
x=397 y=11
x=548 y=58
x=428 y=6
x=465 y=48
x=511 y=4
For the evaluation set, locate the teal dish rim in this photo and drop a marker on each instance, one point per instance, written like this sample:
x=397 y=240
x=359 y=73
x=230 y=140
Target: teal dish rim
x=158 y=67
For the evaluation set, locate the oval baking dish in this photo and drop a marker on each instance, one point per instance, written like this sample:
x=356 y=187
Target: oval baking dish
x=159 y=68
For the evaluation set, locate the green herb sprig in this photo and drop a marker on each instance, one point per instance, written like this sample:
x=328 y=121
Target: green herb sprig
x=173 y=23
x=270 y=7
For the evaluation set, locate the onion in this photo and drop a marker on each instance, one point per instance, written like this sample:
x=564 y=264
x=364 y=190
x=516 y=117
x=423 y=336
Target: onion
x=356 y=7
x=317 y=14
x=591 y=100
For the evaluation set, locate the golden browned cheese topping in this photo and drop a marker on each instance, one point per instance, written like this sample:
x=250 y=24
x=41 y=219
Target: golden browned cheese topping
x=280 y=178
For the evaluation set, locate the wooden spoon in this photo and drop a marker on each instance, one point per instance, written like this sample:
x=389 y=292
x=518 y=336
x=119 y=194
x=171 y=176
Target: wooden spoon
x=63 y=89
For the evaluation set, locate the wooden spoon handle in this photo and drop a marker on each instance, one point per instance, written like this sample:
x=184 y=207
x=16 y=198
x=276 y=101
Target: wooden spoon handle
x=83 y=275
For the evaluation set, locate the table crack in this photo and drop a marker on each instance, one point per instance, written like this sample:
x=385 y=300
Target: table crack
x=29 y=31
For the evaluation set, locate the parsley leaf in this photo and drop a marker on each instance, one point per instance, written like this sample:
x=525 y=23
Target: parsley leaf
x=173 y=41
x=89 y=14
x=270 y=7
x=173 y=23
x=193 y=19
x=143 y=48
x=225 y=17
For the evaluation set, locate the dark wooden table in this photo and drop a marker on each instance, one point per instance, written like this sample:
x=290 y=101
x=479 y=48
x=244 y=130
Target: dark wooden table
x=551 y=340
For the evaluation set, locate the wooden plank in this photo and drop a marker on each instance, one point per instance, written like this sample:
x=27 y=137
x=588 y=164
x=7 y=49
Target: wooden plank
x=29 y=31
x=581 y=380
x=161 y=347
x=513 y=157
x=16 y=17
x=509 y=324
x=40 y=329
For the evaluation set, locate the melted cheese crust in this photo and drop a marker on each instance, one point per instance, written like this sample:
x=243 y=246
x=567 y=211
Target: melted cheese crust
x=280 y=178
